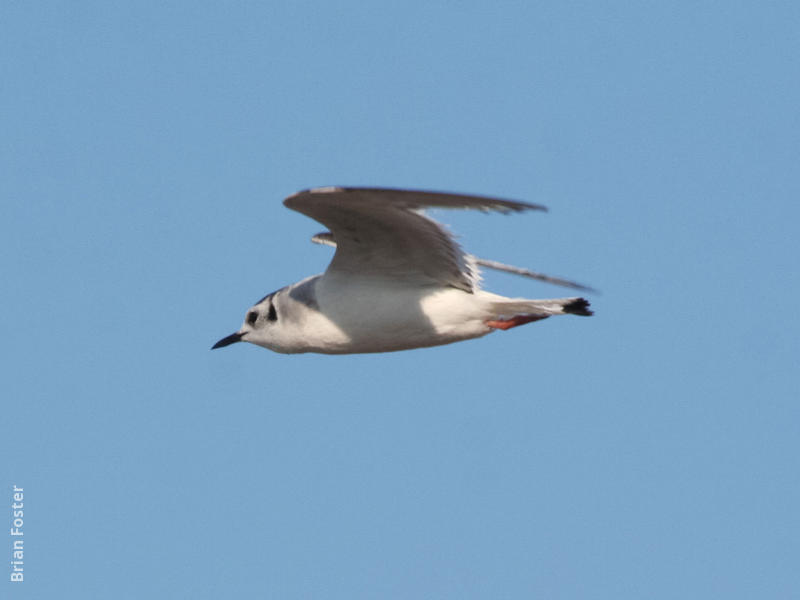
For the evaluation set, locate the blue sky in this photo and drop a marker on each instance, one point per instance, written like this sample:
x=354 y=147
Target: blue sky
x=651 y=451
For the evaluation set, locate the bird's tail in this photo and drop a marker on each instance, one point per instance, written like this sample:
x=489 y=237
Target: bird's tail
x=511 y=307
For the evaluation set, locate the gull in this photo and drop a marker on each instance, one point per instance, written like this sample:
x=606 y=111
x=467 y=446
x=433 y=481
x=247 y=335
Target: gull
x=398 y=279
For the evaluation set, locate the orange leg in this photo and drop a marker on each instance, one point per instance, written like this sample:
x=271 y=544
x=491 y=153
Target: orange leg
x=514 y=321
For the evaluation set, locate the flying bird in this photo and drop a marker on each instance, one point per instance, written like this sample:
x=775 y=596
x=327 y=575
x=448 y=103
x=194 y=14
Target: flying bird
x=398 y=280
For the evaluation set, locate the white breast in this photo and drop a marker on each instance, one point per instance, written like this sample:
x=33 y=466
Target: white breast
x=368 y=315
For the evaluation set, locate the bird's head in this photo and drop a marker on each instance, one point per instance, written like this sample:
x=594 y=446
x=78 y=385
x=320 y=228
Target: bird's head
x=259 y=324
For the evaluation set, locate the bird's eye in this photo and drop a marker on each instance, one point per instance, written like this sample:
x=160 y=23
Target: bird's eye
x=272 y=315
x=251 y=317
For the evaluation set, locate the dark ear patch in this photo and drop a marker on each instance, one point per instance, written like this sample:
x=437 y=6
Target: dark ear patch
x=272 y=315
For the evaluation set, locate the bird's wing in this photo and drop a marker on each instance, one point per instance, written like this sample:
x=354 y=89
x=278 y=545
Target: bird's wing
x=326 y=239
x=383 y=233
x=498 y=266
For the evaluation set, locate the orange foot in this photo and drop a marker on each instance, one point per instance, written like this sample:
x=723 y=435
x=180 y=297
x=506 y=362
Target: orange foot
x=514 y=321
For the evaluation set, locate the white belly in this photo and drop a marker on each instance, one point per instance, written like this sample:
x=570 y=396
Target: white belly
x=361 y=316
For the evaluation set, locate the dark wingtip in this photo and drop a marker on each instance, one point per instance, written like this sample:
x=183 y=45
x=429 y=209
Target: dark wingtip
x=578 y=307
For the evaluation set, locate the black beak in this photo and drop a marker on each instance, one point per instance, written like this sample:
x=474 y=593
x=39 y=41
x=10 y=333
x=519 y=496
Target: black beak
x=227 y=341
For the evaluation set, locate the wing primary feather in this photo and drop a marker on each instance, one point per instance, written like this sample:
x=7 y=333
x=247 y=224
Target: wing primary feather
x=325 y=238
x=498 y=266
x=415 y=199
